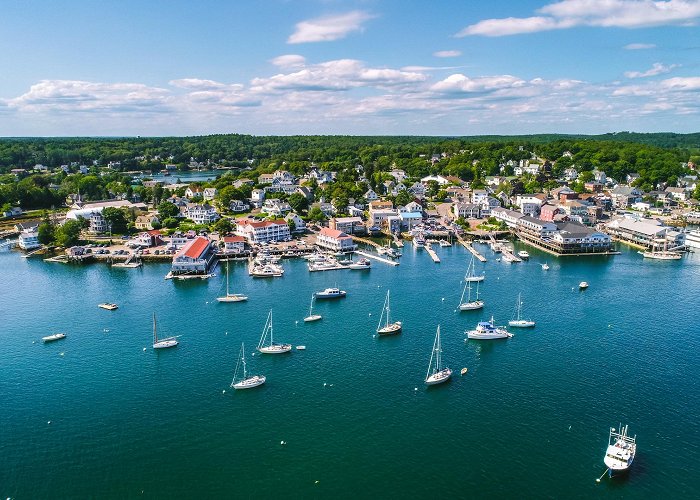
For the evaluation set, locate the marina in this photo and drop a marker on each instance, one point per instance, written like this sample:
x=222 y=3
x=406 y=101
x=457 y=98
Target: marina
x=365 y=379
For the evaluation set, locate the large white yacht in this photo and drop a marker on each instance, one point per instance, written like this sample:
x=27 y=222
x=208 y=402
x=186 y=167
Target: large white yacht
x=485 y=330
x=331 y=293
x=621 y=450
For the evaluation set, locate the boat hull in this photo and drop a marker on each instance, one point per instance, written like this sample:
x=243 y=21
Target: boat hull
x=250 y=382
x=165 y=344
x=521 y=323
x=474 y=279
x=475 y=335
x=313 y=317
x=471 y=306
x=439 y=377
x=391 y=329
x=340 y=295
x=275 y=349
x=232 y=298
x=53 y=338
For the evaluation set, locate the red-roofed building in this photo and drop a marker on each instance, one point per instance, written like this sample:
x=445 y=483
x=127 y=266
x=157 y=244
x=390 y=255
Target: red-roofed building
x=335 y=240
x=234 y=244
x=194 y=258
x=147 y=239
x=263 y=231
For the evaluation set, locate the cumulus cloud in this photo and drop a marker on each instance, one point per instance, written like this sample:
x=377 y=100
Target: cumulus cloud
x=329 y=28
x=76 y=96
x=338 y=75
x=196 y=84
x=447 y=53
x=462 y=84
x=639 y=46
x=601 y=13
x=289 y=61
x=656 y=69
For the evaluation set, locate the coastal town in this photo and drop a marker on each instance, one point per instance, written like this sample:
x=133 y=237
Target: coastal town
x=194 y=224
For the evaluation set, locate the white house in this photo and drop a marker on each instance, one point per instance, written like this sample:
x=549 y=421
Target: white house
x=209 y=194
x=418 y=190
x=335 y=240
x=29 y=238
x=542 y=229
x=443 y=181
x=479 y=196
x=276 y=207
x=257 y=197
x=299 y=224
x=466 y=210
x=193 y=258
x=234 y=244
x=370 y=195
x=193 y=191
x=263 y=231
x=570 y=174
x=529 y=205
x=177 y=240
x=201 y=214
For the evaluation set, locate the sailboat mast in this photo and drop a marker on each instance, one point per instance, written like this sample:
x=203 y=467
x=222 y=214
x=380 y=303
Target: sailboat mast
x=155 y=334
x=270 y=321
x=438 y=357
x=245 y=372
x=227 y=278
x=387 y=309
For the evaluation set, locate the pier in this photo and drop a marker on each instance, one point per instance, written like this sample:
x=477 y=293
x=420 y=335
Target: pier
x=472 y=250
x=509 y=257
x=376 y=257
x=432 y=253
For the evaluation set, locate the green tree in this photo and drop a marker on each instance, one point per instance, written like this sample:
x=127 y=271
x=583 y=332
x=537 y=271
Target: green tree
x=46 y=233
x=403 y=198
x=223 y=225
x=316 y=215
x=167 y=209
x=298 y=202
x=68 y=234
x=116 y=219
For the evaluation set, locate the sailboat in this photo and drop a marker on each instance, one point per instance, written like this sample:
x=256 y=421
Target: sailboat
x=271 y=347
x=312 y=316
x=471 y=272
x=231 y=297
x=386 y=327
x=661 y=253
x=162 y=343
x=436 y=373
x=245 y=382
x=517 y=320
x=470 y=305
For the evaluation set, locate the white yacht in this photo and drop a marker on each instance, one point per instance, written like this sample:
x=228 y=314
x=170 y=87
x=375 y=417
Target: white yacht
x=55 y=336
x=385 y=326
x=231 y=297
x=517 y=320
x=470 y=305
x=485 y=330
x=266 y=271
x=444 y=243
x=162 y=343
x=692 y=238
x=245 y=382
x=620 y=452
x=265 y=347
x=523 y=255
x=312 y=316
x=436 y=373
x=360 y=264
x=108 y=306
x=331 y=293
x=583 y=285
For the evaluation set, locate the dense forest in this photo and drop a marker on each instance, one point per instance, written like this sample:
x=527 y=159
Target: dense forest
x=658 y=158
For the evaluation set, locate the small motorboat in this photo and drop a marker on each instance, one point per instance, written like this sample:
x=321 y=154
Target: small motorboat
x=55 y=336
x=108 y=306
x=545 y=266
x=583 y=285
x=331 y=293
x=463 y=371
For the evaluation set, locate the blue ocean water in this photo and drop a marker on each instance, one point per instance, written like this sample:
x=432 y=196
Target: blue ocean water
x=529 y=419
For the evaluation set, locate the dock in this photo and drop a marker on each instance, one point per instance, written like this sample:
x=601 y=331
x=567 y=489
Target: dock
x=472 y=250
x=509 y=257
x=431 y=252
x=377 y=257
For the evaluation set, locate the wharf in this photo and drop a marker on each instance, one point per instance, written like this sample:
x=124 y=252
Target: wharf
x=472 y=250
x=376 y=257
x=365 y=241
x=432 y=253
x=509 y=257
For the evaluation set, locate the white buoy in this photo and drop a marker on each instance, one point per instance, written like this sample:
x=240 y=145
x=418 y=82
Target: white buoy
x=324 y=384
x=144 y=348
x=569 y=427
x=415 y=388
x=63 y=353
x=223 y=392
x=296 y=322
x=283 y=443
x=443 y=299
x=331 y=385
x=49 y=422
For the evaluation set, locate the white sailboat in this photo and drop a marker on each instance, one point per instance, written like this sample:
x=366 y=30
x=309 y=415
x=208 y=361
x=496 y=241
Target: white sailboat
x=271 y=347
x=517 y=320
x=312 y=316
x=620 y=452
x=545 y=266
x=436 y=374
x=162 y=343
x=385 y=326
x=471 y=272
x=245 y=382
x=470 y=305
x=231 y=297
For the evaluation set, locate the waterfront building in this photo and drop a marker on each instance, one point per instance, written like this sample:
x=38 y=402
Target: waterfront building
x=572 y=237
x=644 y=232
x=334 y=240
x=147 y=239
x=549 y=212
x=193 y=258
x=263 y=231
x=177 y=240
x=510 y=217
x=535 y=227
x=466 y=210
x=234 y=244
x=409 y=219
x=348 y=225
x=29 y=238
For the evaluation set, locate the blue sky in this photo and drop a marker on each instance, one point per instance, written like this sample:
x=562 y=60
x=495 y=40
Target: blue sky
x=447 y=67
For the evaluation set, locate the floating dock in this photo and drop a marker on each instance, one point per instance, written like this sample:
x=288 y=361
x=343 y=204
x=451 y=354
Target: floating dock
x=376 y=257
x=432 y=253
x=471 y=249
x=509 y=257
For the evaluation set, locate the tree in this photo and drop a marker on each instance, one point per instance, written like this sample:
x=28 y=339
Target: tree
x=46 y=233
x=116 y=219
x=223 y=225
x=298 y=202
x=167 y=209
x=433 y=189
x=68 y=234
x=403 y=198
x=316 y=215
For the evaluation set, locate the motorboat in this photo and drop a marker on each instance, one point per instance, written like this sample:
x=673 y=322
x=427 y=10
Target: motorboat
x=583 y=285
x=545 y=266
x=485 y=330
x=620 y=452
x=331 y=293
x=54 y=337
x=108 y=306
x=523 y=255
x=360 y=264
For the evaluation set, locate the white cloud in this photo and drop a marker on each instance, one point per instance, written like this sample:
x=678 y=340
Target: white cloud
x=462 y=84
x=196 y=84
x=639 y=46
x=691 y=84
x=602 y=13
x=329 y=28
x=289 y=61
x=447 y=53
x=656 y=69
x=342 y=74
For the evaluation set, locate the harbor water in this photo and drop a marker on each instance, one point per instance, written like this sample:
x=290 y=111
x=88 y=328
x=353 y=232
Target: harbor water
x=101 y=414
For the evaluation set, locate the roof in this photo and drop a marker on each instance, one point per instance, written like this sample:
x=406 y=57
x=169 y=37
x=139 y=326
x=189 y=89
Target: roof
x=195 y=248
x=333 y=233
x=233 y=239
x=411 y=215
x=647 y=227
x=257 y=224
x=574 y=229
x=155 y=232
